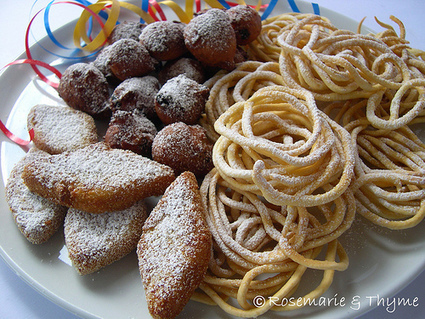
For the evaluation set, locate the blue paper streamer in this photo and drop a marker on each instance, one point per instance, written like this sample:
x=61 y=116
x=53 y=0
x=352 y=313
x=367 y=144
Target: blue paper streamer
x=145 y=7
x=47 y=27
x=294 y=7
x=316 y=9
x=224 y=4
x=75 y=51
x=269 y=9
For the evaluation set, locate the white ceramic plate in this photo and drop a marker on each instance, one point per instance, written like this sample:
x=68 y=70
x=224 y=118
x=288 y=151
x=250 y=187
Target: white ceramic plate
x=382 y=262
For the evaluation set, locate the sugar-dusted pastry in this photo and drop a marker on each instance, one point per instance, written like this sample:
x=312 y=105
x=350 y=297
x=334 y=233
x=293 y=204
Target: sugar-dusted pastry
x=174 y=249
x=126 y=30
x=129 y=58
x=97 y=178
x=85 y=88
x=246 y=22
x=60 y=128
x=164 y=40
x=136 y=93
x=36 y=217
x=181 y=99
x=192 y=68
x=184 y=148
x=97 y=240
x=102 y=64
x=131 y=130
x=211 y=39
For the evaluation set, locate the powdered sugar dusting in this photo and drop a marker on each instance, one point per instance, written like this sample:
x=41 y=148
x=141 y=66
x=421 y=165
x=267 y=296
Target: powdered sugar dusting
x=131 y=130
x=58 y=129
x=136 y=93
x=209 y=29
x=129 y=58
x=97 y=178
x=126 y=30
x=181 y=99
x=174 y=243
x=100 y=166
x=164 y=39
x=36 y=217
x=184 y=148
x=210 y=37
x=190 y=67
x=96 y=240
x=84 y=87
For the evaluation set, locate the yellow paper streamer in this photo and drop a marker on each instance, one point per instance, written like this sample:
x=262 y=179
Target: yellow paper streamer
x=144 y=15
x=80 y=31
x=99 y=40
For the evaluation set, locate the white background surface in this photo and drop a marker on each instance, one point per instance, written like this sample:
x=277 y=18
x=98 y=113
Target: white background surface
x=18 y=300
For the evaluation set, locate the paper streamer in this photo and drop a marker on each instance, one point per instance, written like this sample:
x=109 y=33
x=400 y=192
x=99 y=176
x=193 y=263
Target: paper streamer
x=101 y=38
x=148 y=11
x=3 y=128
x=316 y=9
x=293 y=6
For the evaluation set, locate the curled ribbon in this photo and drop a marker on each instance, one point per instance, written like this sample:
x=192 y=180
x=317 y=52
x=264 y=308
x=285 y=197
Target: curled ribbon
x=3 y=127
x=109 y=10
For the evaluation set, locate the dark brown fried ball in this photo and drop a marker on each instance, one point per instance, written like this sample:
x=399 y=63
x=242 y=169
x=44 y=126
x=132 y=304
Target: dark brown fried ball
x=181 y=99
x=102 y=63
x=164 y=40
x=126 y=30
x=246 y=22
x=241 y=55
x=184 y=148
x=190 y=67
x=131 y=130
x=129 y=58
x=136 y=93
x=211 y=39
x=83 y=87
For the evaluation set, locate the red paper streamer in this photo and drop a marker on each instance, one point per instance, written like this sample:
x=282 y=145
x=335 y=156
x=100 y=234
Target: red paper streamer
x=3 y=128
x=158 y=9
x=27 y=33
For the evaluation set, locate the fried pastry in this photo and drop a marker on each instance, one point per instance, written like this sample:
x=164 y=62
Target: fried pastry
x=131 y=130
x=164 y=40
x=58 y=129
x=85 y=88
x=192 y=68
x=211 y=38
x=181 y=99
x=97 y=178
x=97 y=240
x=126 y=30
x=129 y=58
x=184 y=148
x=36 y=217
x=136 y=93
x=246 y=22
x=174 y=249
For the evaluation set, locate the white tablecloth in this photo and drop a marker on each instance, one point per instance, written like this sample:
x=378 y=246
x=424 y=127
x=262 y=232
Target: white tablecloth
x=18 y=300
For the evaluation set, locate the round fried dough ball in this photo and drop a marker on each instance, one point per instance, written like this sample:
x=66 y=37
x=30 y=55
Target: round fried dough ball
x=190 y=67
x=211 y=39
x=136 y=93
x=181 y=99
x=246 y=22
x=164 y=40
x=126 y=30
x=131 y=130
x=184 y=148
x=129 y=58
x=83 y=87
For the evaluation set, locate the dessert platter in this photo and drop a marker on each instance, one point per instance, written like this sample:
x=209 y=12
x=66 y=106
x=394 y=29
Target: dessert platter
x=340 y=260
